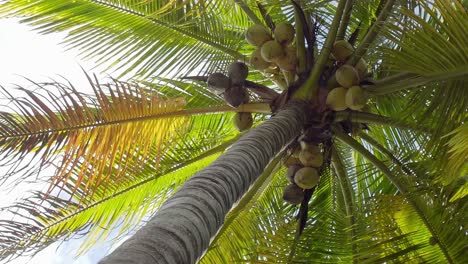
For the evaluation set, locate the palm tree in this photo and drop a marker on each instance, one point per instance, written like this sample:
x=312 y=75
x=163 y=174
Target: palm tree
x=392 y=185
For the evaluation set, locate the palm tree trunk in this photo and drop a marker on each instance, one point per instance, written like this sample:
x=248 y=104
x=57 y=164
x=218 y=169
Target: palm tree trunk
x=180 y=232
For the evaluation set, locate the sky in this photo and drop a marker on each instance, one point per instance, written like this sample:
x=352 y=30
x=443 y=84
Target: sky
x=24 y=53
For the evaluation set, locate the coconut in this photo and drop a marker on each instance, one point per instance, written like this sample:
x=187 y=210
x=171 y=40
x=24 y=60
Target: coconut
x=293 y=194
x=236 y=95
x=243 y=121
x=347 y=76
x=272 y=51
x=291 y=160
x=336 y=99
x=289 y=61
x=291 y=171
x=284 y=33
x=311 y=156
x=218 y=82
x=355 y=98
x=433 y=241
x=306 y=177
x=238 y=72
x=361 y=68
x=257 y=35
x=257 y=61
x=342 y=49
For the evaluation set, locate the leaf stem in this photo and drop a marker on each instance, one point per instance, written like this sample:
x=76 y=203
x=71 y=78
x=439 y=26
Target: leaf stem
x=363 y=117
x=401 y=186
x=348 y=195
x=345 y=20
x=309 y=90
x=392 y=84
x=248 y=11
x=371 y=34
x=253 y=108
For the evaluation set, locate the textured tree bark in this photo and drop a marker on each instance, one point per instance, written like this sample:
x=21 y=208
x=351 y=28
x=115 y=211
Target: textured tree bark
x=181 y=230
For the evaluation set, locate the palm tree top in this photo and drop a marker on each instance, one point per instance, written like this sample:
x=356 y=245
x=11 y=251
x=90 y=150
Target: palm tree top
x=391 y=183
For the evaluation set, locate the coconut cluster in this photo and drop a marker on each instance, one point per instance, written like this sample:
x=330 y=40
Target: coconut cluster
x=349 y=94
x=272 y=51
x=233 y=90
x=302 y=171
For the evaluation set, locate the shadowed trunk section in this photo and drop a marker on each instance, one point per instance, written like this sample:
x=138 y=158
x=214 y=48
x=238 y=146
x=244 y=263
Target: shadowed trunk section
x=181 y=230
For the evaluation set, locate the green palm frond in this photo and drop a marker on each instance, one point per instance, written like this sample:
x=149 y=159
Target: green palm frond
x=457 y=162
x=145 y=39
x=123 y=209
x=396 y=190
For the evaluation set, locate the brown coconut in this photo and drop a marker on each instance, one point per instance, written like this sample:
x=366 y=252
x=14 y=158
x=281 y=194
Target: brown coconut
x=257 y=35
x=243 y=121
x=306 y=177
x=238 y=72
x=284 y=33
x=293 y=194
x=271 y=51
x=342 y=49
x=236 y=95
x=355 y=98
x=218 y=82
x=336 y=99
x=347 y=76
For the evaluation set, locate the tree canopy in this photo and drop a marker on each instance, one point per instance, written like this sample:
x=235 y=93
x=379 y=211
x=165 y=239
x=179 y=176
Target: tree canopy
x=394 y=187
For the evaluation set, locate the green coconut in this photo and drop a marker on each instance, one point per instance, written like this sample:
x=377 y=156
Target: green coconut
x=306 y=177
x=257 y=61
x=355 y=98
x=243 y=121
x=342 y=49
x=257 y=35
x=238 y=72
x=289 y=61
x=347 y=76
x=311 y=156
x=361 y=68
x=218 y=82
x=272 y=51
x=336 y=99
x=236 y=95
x=284 y=33
x=293 y=194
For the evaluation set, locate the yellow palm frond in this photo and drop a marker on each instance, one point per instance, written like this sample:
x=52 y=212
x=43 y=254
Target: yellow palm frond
x=91 y=135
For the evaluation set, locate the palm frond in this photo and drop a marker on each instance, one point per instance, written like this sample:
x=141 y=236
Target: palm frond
x=457 y=162
x=94 y=133
x=146 y=38
x=123 y=209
